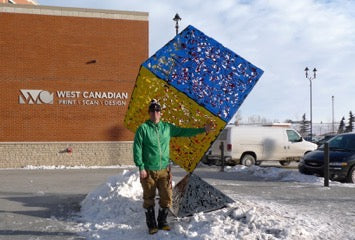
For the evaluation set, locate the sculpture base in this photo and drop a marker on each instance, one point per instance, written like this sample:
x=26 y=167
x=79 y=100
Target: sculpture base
x=192 y=195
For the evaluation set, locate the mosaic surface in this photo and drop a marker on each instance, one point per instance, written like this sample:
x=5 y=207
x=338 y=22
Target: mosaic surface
x=196 y=80
x=212 y=75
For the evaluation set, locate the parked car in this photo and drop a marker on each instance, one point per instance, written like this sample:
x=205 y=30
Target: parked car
x=341 y=159
x=249 y=145
x=324 y=139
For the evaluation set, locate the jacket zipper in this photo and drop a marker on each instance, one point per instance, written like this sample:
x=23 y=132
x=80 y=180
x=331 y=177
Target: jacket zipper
x=157 y=131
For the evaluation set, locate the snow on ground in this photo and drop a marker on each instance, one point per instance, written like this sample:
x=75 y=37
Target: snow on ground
x=114 y=211
x=282 y=175
x=273 y=173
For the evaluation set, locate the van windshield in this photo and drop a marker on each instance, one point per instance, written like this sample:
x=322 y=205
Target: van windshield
x=293 y=136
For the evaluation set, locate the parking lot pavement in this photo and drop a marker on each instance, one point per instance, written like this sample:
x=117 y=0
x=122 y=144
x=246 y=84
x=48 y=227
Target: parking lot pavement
x=39 y=204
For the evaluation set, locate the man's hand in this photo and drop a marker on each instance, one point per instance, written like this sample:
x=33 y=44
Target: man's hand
x=143 y=174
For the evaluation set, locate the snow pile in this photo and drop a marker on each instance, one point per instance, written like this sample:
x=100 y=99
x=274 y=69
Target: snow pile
x=273 y=173
x=114 y=211
x=106 y=201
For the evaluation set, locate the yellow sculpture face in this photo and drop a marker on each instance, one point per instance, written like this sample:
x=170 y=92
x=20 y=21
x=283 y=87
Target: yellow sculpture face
x=177 y=109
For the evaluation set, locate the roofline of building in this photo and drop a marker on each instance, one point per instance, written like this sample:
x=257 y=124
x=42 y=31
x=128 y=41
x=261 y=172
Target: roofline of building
x=31 y=1
x=73 y=12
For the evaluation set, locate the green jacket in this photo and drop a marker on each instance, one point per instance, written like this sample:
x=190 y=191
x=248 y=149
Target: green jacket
x=151 y=143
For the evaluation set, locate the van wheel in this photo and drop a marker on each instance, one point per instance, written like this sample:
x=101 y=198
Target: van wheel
x=351 y=175
x=248 y=160
x=285 y=163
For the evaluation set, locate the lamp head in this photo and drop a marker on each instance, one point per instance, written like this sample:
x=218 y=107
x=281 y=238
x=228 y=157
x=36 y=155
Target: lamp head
x=314 y=72
x=177 y=18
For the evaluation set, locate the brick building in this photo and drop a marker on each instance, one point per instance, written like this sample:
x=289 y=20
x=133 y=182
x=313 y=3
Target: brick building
x=66 y=76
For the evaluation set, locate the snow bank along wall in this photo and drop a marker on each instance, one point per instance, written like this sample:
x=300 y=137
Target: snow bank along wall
x=66 y=76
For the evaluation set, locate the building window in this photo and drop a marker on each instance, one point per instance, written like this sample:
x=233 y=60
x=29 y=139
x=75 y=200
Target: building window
x=11 y=1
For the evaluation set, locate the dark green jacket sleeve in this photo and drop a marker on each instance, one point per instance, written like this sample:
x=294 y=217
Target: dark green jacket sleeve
x=137 y=149
x=184 y=132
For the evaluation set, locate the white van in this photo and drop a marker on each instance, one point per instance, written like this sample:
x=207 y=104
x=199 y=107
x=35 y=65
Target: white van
x=249 y=145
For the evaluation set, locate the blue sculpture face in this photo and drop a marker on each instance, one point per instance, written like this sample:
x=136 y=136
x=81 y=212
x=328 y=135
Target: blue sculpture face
x=207 y=72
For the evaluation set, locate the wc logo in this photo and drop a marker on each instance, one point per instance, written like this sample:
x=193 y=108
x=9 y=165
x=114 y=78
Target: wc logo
x=35 y=97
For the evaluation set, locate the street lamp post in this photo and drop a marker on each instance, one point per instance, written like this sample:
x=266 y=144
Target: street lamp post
x=177 y=18
x=310 y=78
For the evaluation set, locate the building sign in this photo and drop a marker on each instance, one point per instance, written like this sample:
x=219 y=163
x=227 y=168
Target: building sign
x=90 y=98
x=35 y=97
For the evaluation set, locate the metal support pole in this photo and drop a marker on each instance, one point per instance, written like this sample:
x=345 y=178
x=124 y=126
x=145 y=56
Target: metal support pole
x=310 y=94
x=326 y=164
x=333 y=129
x=221 y=147
x=177 y=28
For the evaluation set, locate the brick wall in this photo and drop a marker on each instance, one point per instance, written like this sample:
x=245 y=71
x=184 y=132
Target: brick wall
x=64 y=55
x=74 y=54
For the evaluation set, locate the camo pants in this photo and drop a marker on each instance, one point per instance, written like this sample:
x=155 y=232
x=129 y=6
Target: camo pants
x=157 y=180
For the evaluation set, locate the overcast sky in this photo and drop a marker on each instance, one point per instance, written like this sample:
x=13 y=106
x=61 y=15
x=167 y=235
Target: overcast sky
x=281 y=37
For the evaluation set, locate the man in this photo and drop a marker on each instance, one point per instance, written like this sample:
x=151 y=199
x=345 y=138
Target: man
x=151 y=156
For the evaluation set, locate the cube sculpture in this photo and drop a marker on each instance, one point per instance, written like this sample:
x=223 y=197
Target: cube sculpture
x=196 y=80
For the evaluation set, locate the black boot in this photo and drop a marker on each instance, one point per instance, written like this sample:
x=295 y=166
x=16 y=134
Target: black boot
x=162 y=223
x=151 y=223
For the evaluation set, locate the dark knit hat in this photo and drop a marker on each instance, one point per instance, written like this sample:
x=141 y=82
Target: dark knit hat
x=154 y=106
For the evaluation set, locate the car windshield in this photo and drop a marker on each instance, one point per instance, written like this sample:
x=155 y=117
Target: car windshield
x=342 y=143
